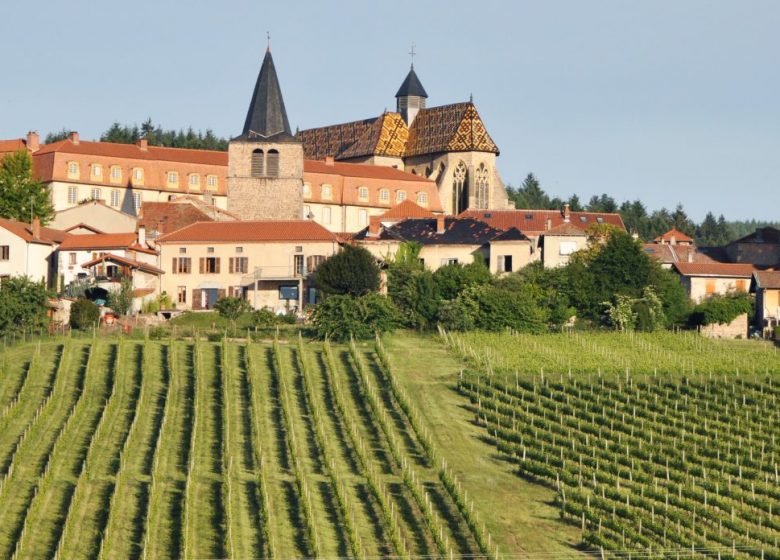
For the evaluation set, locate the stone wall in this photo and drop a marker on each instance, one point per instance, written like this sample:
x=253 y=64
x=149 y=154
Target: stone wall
x=737 y=328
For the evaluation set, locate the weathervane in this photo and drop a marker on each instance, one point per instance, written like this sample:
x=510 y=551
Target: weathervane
x=412 y=53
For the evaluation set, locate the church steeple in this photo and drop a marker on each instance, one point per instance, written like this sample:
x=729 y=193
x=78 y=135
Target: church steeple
x=410 y=97
x=266 y=120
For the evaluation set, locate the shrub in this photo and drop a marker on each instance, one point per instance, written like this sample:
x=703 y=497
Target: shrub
x=84 y=314
x=452 y=279
x=23 y=304
x=232 y=308
x=412 y=290
x=352 y=271
x=264 y=318
x=498 y=309
x=121 y=301
x=457 y=315
x=341 y=316
x=721 y=309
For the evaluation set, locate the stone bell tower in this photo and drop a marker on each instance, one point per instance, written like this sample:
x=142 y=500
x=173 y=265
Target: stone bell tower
x=265 y=163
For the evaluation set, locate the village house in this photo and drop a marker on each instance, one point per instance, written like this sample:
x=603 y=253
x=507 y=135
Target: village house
x=269 y=263
x=706 y=279
x=766 y=285
x=674 y=246
x=93 y=216
x=28 y=250
x=761 y=248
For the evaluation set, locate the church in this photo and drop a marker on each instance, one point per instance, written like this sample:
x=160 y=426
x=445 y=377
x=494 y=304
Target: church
x=447 y=146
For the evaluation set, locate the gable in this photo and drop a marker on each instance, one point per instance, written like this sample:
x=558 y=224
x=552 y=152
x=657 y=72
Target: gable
x=449 y=128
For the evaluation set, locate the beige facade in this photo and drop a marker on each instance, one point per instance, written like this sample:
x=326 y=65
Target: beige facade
x=558 y=249
x=24 y=258
x=97 y=215
x=274 y=275
x=700 y=287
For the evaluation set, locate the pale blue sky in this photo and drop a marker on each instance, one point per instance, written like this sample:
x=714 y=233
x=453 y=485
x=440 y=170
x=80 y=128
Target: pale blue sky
x=666 y=101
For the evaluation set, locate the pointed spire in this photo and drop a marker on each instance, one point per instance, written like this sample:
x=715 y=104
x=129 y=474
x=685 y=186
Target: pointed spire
x=411 y=86
x=266 y=119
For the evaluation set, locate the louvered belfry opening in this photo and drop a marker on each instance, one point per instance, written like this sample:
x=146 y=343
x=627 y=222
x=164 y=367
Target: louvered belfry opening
x=258 y=167
x=272 y=163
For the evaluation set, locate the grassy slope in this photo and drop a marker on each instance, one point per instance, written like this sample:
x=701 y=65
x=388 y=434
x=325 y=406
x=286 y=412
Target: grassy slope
x=519 y=513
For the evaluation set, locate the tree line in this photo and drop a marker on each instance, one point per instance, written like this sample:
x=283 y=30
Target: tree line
x=648 y=224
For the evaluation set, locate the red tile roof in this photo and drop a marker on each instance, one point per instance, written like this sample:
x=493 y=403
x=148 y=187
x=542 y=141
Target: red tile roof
x=12 y=145
x=49 y=236
x=566 y=229
x=534 y=222
x=669 y=254
x=160 y=218
x=406 y=209
x=767 y=279
x=134 y=151
x=673 y=235
x=132 y=263
x=87 y=242
x=359 y=170
x=250 y=231
x=726 y=270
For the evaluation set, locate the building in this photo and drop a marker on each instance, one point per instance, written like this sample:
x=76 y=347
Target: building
x=674 y=246
x=29 y=250
x=766 y=286
x=448 y=144
x=447 y=240
x=269 y=263
x=93 y=216
x=706 y=279
x=160 y=218
x=554 y=234
x=761 y=248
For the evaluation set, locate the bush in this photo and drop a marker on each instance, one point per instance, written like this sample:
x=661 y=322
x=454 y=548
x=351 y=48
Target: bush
x=412 y=290
x=498 y=309
x=121 y=301
x=84 y=314
x=721 y=309
x=341 y=316
x=352 y=271
x=264 y=318
x=457 y=315
x=23 y=304
x=452 y=279
x=232 y=308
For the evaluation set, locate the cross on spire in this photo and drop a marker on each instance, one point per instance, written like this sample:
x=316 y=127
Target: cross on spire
x=412 y=54
x=268 y=35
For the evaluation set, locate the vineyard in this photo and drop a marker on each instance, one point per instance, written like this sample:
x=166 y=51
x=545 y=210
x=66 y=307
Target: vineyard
x=164 y=449
x=658 y=445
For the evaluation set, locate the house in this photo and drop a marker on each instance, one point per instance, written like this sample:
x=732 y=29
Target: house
x=448 y=240
x=706 y=279
x=159 y=218
x=761 y=248
x=93 y=216
x=29 y=250
x=108 y=270
x=674 y=246
x=269 y=262
x=567 y=230
x=673 y=237
x=766 y=285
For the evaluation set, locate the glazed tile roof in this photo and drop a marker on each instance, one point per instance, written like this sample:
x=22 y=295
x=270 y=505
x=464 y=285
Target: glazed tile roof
x=457 y=231
x=534 y=222
x=725 y=270
x=250 y=231
x=447 y=128
x=49 y=236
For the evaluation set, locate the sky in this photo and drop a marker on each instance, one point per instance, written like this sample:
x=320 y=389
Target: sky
x=667 y=101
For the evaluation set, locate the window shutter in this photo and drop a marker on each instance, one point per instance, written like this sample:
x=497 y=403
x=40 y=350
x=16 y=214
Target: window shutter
x=216 y=267
x=230 y=265
x=202 y=264
x=173 y=268
x=196 y=299
x=220 y=293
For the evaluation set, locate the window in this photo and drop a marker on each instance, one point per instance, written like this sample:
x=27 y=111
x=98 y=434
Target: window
x=195 y=181
x=307 y=213
x=115 y=197
x=72 y=259
x=258 y=158
x=97 y=171
x=327 y=192
x=4 y=252
x=584 y=219
x=313 y=261
x=298 y=265
x=741 y=286
x=173 y=178
x=363 y=218
x=567 y=247
x=209 y=249
x=483 y=187
x=288 y=292
x=272 y=163
x=211 y=182
x=505 y=263
x=422 y=199
x=400 y=196
x=209 y=265
x=449 y=261
x=73 y=170
x=460 y=191
x=138 y=174
x=306 y=190
x=709 y=287
x=182 y=250
x=136 y=201
x=95 y=194
x=239 y=250
x=181 y=294
x=238 y=265
x=116 y=173
x=384 y=195
x=600 y=219
x=182 y=265
x=73 y=195
x=326 y=216
x=363 y=193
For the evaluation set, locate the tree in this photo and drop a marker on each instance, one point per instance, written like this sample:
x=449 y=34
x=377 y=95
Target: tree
x=232 y=308
x=22 y=196
x=84 y=314
x=157 y=136
x=52 y=137
x=23 y=305
x=452 y=279
x=351 y=271
x=530 y=194
x=121 y=301
x=340 y=317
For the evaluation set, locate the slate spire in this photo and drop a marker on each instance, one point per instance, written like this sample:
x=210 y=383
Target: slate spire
x=411 y=86
x=266 y=119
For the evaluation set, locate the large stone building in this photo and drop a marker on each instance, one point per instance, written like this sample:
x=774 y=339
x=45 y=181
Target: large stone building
x=448 y=144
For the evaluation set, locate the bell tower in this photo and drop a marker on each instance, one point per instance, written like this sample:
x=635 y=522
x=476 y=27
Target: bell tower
x=411 y=97
x=265 y=163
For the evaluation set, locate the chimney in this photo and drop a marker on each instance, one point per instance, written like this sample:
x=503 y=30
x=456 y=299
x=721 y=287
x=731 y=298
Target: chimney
x=74 y=137
x=374 y=225
x=329 y=160
x=143 y=143
x=439 y=223
x=690 y=256
x=548 y=224
x=566 y=213
x=33 y=141
x=36 y=228
x=142 y=235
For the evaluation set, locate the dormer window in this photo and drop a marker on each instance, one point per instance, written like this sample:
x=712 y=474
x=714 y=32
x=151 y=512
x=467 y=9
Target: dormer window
x=400 y=196
x=306 y=190
x=327 y=192
x=116 y=173
x=211 y=182
x=583 y=219
x=422 y=199
x=384 y=195
x=173 y=179
x=138 y=175
x=97 y=171
x=73 y=170
x=363 y=193
x=194 y=181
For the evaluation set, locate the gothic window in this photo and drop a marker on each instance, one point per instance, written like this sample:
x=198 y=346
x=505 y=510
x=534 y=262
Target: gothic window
x=460 y=194
x=272 y=163
x=257 y=163
x=483 y=187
